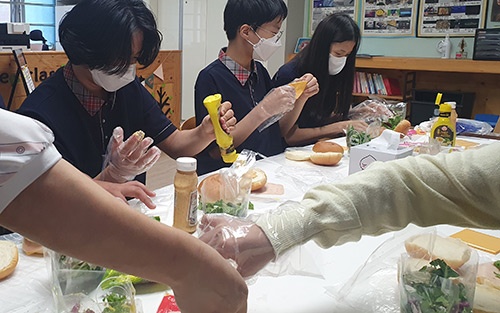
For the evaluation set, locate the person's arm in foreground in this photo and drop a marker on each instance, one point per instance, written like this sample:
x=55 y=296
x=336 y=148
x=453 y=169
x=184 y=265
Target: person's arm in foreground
x=461 y=188
x=87 y=223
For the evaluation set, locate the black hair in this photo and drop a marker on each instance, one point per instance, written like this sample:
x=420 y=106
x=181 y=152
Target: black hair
x=98 y=33
x=251 y=12
x=335 y=93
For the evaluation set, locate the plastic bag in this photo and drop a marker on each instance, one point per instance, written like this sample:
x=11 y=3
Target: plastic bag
x=375 y=287
x=234 y=193
x=472 y=126
x=372 y=110
x=78 y=286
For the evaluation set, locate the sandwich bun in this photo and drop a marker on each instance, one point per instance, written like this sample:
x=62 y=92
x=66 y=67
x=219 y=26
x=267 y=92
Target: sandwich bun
x=487 y=294
x=209 y=188
x=297 y=155
x=327 y=146
x=326 y=158
x=403 y=127
x=259 y=178
x=8 y=258
x=453 y=251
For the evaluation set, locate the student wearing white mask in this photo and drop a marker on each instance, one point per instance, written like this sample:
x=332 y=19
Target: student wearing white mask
x=253 y=29
x=330 y=57
x=96 y=98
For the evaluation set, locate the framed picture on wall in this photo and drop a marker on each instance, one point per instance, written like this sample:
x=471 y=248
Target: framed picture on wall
x=302 y=42
x=322 y=8
x=388 y=18
x=493 y=17
x=456 y=18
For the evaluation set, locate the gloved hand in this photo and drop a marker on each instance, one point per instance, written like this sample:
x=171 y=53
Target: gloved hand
x=278 y=101
x=276 y=104
x=312 y=87
x=239 y=240
x=126 y=159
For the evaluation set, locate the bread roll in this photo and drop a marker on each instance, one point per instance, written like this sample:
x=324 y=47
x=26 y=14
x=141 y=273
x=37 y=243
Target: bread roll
x=297 y=155
x=453 y=251
x=403 y=127
x=327 y=146
x=259 y=178
x=326 y=158
x=209 y=188
x=8 y=258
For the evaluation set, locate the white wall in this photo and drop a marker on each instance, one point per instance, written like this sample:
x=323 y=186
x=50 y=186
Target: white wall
x=202 y=38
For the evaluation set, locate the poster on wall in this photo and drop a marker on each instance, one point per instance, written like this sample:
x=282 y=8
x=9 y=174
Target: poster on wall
x=322 y=8
x=388 y=18
x=459 y=18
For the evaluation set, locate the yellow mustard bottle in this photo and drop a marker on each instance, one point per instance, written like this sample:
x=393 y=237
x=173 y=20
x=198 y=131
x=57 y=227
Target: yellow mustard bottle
x=223 y=139
x=186 y=195
x=443 y=129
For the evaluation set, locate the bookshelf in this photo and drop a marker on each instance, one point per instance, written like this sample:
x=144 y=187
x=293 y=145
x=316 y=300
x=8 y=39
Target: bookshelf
x=446 y=75
x=402 y=92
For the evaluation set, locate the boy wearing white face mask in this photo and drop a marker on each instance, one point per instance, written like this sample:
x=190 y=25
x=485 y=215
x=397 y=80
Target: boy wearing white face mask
x=95 y=101
x=253 y=30
x=330 y=57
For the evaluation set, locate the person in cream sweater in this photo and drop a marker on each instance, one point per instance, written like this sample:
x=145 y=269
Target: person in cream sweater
x=460 y=189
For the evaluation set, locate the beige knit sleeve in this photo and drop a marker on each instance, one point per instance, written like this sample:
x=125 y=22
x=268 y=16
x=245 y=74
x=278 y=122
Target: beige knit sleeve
x=461 y=188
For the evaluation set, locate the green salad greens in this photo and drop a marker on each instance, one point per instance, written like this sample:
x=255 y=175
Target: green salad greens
x=434 y=289
x=354 y=137
x=497 y=265
x=392 y=122
x=225 y=207
x=116 y=303
x=113 y=278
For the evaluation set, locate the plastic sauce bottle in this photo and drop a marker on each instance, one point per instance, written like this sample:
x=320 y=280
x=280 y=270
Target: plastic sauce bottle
x=443 y=130
x=186 y=195
x=224 y=140
x=453 y=115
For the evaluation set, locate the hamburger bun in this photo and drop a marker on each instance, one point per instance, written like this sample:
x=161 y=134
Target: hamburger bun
x=297 y=155
x=8 y=258
x=429 y=246
x=299 y=86
x=209 y=188
x=487 y=294
x=327 y=146
x=403 y=127
x=326 y=158
x=259 y=178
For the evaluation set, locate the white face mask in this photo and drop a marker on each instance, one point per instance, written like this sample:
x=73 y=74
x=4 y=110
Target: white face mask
x=336 y=64
x=265 y=48
x=112 y=83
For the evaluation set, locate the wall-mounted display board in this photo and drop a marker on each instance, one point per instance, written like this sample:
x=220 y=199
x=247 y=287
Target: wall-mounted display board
x=453 y=17
x=322 y=8
x=388 y=18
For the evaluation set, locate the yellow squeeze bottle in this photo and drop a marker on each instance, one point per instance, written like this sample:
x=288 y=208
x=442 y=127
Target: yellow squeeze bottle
x=443 y=129
x=224 y=140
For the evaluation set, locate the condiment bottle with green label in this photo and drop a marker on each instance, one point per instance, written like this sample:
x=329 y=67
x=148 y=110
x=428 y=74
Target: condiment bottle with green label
x=186 y=195
x=443 y=129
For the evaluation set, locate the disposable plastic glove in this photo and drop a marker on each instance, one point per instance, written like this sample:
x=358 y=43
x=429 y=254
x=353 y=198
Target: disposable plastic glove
x=126 y=159
x=276 y=103
x=239 y=240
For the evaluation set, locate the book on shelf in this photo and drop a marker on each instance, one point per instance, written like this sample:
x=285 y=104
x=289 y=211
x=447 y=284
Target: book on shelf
x=377 y=84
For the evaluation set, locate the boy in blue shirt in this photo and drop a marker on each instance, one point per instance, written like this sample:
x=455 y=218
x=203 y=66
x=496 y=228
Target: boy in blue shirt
x=253 y=30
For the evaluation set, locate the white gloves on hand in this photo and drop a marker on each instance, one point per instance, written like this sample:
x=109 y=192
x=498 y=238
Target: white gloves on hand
x=126 y=159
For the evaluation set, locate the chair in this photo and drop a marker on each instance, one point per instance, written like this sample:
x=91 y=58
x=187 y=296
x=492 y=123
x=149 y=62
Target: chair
x=190 y=123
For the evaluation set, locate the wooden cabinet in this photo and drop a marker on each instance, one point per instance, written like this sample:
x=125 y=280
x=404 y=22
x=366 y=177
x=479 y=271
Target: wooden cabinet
x=452 y=75
x=163 y=77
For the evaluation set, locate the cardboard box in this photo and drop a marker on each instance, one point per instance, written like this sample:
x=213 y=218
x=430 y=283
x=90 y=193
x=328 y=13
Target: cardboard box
x=363 y=155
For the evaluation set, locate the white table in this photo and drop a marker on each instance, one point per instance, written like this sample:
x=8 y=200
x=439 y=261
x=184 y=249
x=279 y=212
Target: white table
x=29 y=286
